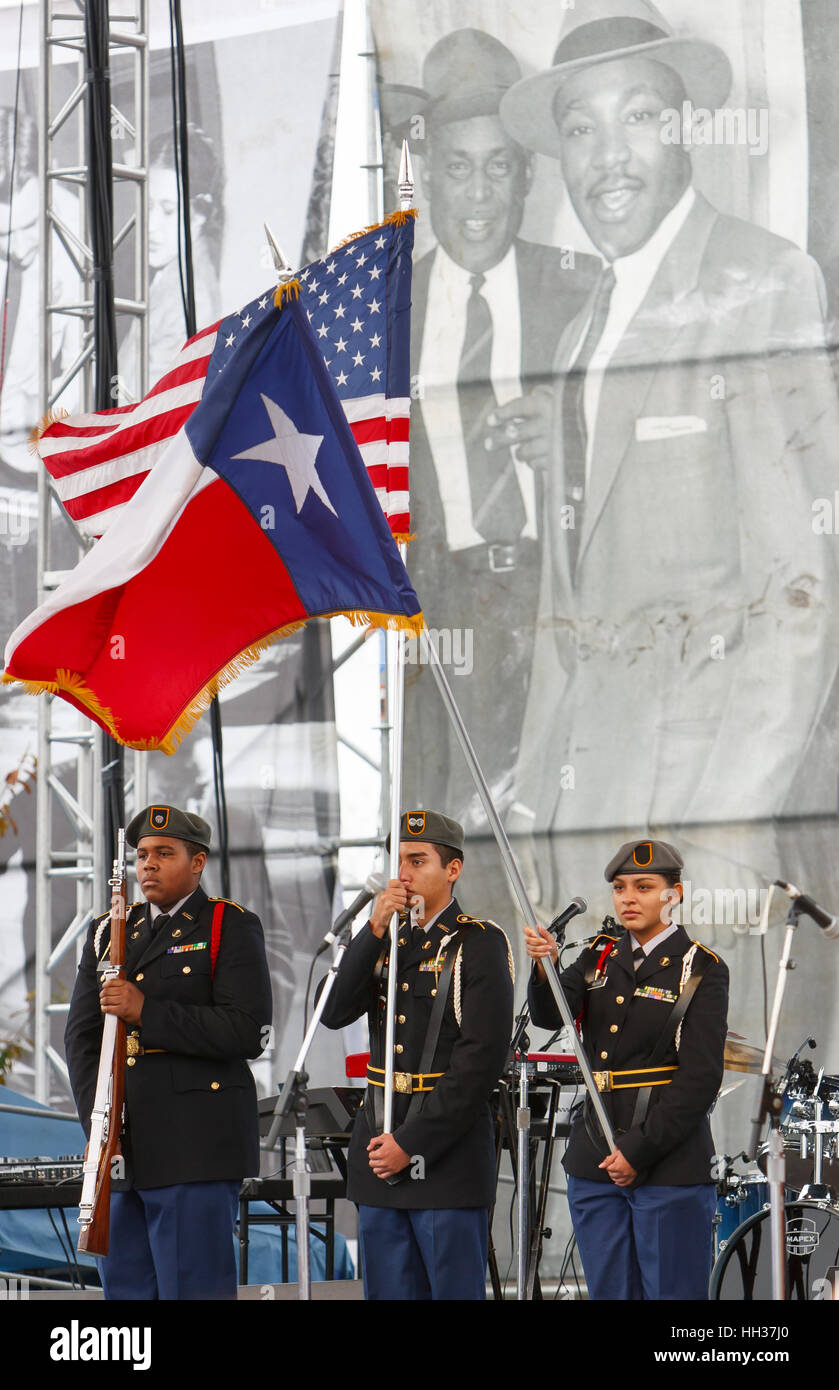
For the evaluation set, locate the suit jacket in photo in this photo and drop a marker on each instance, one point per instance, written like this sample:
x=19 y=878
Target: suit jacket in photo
x=683 y=666
x=190 y=1099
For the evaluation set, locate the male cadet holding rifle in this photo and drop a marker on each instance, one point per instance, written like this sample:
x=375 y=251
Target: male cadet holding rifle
x=196 y=1002
x=425 y=1190
x=652 y=1006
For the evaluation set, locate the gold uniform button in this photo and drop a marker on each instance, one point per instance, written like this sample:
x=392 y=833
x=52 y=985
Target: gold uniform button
x=433 y=993
x=134 y=935
x=214 y=1085
x=187 y=970
x=139 y=977
x=401 y=941
x=619 y=999
x=426 y=945
x=400 y=1018
x=398 y=1048
x=614 y=1028
x=604 y=1055
x=129 y=1061
x=177 y=931
x=665 y=960
x=404 y=984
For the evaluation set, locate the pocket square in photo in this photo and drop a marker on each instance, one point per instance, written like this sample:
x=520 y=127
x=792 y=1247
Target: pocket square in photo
x=652 y=427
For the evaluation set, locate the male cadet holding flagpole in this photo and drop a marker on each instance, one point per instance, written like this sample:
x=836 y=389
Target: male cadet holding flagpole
x=652 y=1006
x=196 y=1002
x=424 y=1191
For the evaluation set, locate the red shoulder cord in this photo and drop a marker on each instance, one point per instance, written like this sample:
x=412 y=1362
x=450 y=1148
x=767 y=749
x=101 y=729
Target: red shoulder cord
x=607 y=949
x=215 y=936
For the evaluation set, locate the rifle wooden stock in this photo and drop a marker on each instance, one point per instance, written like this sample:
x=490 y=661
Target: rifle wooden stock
x=106 y=1118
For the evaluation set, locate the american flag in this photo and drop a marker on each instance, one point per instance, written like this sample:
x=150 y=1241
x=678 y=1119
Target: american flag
x=357 y=300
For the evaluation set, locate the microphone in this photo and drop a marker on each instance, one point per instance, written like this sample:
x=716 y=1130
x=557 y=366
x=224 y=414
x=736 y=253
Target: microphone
x=559 y=923
x=822 y=918
x=373 y=886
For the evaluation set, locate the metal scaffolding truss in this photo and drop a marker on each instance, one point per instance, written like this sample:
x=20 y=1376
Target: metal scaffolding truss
x=70 y=833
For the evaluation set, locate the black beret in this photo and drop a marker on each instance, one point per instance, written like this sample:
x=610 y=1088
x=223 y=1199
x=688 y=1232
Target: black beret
x=168 y=820
x=644 y=857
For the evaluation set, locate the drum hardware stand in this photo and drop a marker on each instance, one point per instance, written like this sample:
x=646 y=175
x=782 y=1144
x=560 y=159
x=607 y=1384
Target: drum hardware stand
x=817 y=1190
x=294 y=1097
x=769 y=1106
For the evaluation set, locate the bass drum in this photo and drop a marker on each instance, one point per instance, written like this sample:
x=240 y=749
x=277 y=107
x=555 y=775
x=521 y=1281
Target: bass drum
x=743 y=1271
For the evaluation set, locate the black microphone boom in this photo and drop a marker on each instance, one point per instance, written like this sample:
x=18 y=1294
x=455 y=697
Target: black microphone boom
x=822 y=918
x=576 y=906
x=372 y=888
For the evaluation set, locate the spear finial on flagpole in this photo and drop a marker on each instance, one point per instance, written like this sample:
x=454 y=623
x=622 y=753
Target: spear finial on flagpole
x=282 y=265
x=406 y=179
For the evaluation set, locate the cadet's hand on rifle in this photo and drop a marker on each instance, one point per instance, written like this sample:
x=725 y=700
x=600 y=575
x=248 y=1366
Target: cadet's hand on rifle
x=122 y=998
x=394 y=898
x=386 y=1157
x=539 y=943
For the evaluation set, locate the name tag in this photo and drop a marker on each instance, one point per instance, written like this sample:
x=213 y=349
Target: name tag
x=650 y=428
x=650 y=992
x=194 y=946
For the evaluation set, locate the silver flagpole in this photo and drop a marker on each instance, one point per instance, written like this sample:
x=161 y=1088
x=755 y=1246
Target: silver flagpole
x=396 y=642
x=516 y=880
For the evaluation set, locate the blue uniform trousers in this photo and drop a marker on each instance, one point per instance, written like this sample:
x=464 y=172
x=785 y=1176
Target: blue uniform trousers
x=172 y=1242
x=647 y=1242
x=424 y=1254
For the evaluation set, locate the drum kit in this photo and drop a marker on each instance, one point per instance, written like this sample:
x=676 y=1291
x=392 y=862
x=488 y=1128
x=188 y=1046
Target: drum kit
x=808 y=1104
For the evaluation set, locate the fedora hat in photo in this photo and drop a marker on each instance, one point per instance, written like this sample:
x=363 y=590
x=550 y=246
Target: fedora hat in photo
x=466 y=73
x=599 y=31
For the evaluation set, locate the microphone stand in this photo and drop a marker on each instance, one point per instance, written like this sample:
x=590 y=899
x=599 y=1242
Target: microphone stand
x=769 y=1106
x=294 y=1097
x=521 y=1044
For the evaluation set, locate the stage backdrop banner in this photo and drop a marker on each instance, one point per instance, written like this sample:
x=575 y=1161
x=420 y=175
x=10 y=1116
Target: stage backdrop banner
x=624 y=434
x=258 y=94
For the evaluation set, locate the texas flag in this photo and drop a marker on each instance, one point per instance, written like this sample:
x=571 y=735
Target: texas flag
x=259 y=515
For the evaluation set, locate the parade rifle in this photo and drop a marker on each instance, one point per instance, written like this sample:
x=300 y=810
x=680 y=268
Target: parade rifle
x=106 y=1119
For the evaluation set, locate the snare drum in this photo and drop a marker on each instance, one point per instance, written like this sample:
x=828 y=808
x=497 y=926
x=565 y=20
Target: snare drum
x=743 y=1270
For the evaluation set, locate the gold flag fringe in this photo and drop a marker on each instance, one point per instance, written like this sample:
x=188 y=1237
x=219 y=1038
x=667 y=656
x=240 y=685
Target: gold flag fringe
x=71 y=683
x=393 y=219
x=58 y=412
x=290 y=289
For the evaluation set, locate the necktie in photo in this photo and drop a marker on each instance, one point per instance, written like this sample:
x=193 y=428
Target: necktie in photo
x=639 y=956
x=498 y=513
x=159 y=923
x=574 y=432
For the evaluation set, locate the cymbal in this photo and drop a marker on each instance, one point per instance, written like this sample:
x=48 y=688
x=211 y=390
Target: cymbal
x=741 y=1056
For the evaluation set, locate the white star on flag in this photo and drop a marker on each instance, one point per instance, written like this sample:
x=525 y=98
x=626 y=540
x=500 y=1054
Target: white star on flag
x=293 y=451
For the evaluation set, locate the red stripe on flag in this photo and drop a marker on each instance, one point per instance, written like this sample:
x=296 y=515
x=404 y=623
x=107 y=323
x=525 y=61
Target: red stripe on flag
x=118 y=443
x=100 y=499
x=378 y=427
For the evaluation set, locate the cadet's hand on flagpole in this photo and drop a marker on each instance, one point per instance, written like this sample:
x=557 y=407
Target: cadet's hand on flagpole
x=524 y=424
x=386 y=1157
x=392 y=899
x=620 y=1171
x=539 y=943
